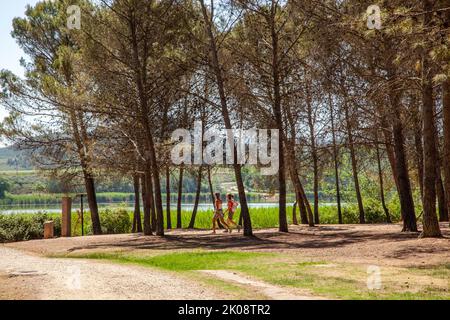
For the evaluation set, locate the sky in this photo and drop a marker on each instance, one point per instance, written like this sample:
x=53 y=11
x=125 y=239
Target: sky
x=10 y=53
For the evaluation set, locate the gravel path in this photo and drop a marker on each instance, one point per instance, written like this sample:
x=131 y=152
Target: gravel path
x=25 y=276
x=270 y=291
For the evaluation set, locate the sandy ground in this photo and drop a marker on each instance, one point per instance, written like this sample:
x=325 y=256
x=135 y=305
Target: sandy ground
x=270 y=291
x=26 y=274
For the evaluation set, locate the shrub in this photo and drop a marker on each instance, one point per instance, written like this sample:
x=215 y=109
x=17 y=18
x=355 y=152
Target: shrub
x=115 y=221
x=25 y=227
x=350 y=214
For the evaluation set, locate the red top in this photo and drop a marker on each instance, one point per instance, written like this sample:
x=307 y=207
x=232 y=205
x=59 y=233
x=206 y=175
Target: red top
x=230 y=205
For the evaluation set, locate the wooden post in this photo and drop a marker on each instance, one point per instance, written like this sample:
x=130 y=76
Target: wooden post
x=66 y=222
x=49 y=228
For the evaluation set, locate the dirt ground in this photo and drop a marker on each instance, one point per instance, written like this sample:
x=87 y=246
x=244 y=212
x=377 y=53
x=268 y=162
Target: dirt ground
x=31 y=277
x=380 y=244
x=26 y=272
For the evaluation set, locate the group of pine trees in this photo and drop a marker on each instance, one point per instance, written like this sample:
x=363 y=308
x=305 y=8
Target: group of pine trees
x=104 y=98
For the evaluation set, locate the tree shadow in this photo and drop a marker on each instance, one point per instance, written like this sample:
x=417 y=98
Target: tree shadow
x=299 y=238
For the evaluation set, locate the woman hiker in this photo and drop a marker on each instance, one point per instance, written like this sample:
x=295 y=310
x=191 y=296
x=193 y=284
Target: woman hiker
x=218 y=215
x=232 y=206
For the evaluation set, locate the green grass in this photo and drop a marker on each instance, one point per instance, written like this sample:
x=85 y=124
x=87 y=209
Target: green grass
x=341 y=281
x=186 y=261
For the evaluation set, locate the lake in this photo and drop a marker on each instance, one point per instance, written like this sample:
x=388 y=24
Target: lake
x=30 y=209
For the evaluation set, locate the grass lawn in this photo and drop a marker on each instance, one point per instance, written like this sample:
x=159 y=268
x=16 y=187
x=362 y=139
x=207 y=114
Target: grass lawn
x=321 y=278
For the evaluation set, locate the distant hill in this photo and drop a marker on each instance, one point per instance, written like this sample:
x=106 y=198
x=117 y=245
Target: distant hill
x=12 y=159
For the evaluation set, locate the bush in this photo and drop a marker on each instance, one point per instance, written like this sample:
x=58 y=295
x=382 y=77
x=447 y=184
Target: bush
x=350 y=214
x=115 y=221
x=25 y=227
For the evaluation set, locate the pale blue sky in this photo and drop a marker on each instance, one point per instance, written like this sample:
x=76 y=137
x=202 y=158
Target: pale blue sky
x=10 y=53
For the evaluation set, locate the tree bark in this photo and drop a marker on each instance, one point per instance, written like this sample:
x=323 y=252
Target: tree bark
x=299 y=191
x=401 y=164
x=147 y=213
x=336 y=162
x=294 y=214
x=418 y=142
x=442 y=199
x=168 y=209
x=440 y=192
x=80 y=138
x=92 y=200
x=419 y=157
x=314 y=157
x=197 y=198
x=446 y=155
x=293 y=172
x=430 y=221
x=283 y=225
x=351 y=147
x=180 y=196
x=137 y=223
x=151 y=201
x=380 y=177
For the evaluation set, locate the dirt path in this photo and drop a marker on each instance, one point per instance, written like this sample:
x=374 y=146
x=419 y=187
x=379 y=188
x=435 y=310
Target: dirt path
x=270 y=291
x=29 y=276
x=367 y=244
x=25 y=276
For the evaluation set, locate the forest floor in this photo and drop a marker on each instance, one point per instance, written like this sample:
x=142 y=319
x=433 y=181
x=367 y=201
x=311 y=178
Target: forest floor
x=329 y=261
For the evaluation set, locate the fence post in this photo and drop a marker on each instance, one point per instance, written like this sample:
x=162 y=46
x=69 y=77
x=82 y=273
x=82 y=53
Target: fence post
x=49 y=227
x=66 y=221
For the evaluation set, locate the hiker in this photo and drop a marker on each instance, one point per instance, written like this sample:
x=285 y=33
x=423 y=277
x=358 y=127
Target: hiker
x=232 y=206
x=218 y=215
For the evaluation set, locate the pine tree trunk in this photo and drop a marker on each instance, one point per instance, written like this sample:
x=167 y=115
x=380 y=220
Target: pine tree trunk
x=446 y=155
x=418 y=141
x=307 y=206
x=315 y=159
x=197 y=198
x=151 y=201
x=442 y=199
x=294 y=214
x=336 y=163
x=217 y=70
x=92 y=201
x=351 y=146
x=293 y=172
x=380 y=177
x=440 y=192
x=282 y=217
x=137 y=223
x=298 y=188
x=211 y=189
x=401 y=164
x=419 y=158
x=147 y=213
x=180 y=196
x=81 y=142
x=389 y=145
x=430 y=221
x=168 y=209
